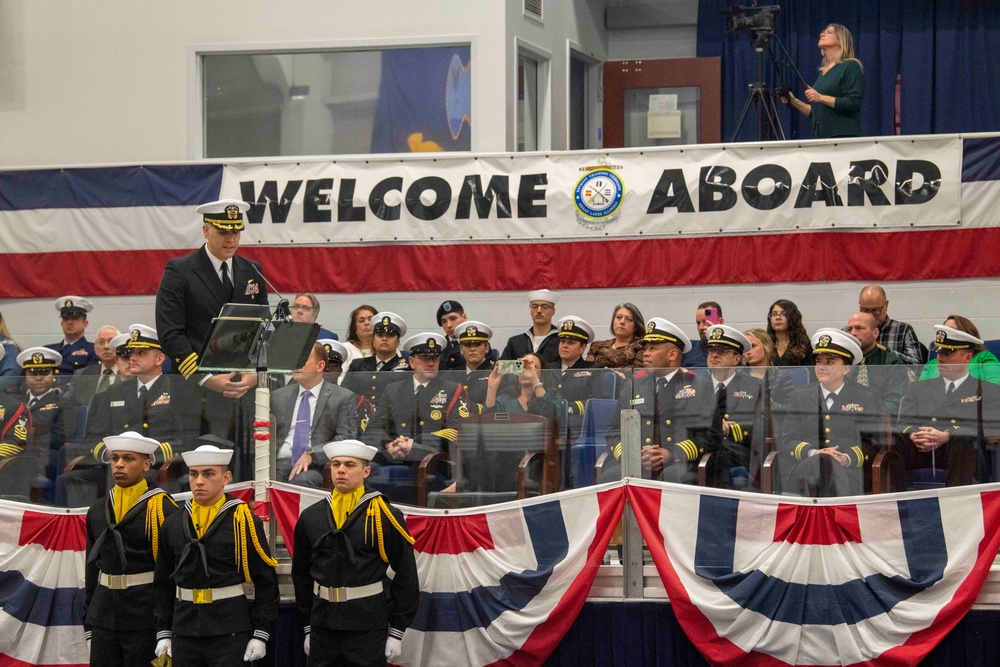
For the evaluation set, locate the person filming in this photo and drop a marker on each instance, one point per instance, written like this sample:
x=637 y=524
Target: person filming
x=834 y=103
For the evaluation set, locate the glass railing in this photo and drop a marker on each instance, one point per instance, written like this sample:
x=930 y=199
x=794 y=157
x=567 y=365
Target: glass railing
x=474 y=439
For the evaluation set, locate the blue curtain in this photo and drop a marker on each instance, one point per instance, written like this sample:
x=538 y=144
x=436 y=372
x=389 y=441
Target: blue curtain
x=947 y=54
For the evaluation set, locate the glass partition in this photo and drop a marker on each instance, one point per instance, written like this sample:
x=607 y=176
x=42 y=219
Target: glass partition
x=479 y=438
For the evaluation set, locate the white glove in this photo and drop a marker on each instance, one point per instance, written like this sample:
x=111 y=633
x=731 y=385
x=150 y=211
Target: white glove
x=256 y=649
x=393 y=649
x=164 y=646
x=305 y=646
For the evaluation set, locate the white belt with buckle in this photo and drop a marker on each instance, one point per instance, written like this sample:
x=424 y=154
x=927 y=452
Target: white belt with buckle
x=119 y=582
x=209 y=595
x=345 y=593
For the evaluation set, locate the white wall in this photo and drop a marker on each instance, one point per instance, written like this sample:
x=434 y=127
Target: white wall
x=113 y=81
x=653 y=44
x=922 y=304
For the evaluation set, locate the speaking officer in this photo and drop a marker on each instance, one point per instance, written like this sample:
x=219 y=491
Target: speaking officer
x=77 y=352
x=833 y=422
x=679 y=418
x=944 y=420
x=342 y=549
x=208 y=551
x=474 y=341
x=123 y=542
x=737 y=394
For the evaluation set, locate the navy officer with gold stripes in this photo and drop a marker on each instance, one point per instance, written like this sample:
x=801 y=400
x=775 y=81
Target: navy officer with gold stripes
x=738 y=394
x=831 y=427
x=342 y=550
x=123 y=542
x=576 y=380
x=679 y=417
x=208 y=551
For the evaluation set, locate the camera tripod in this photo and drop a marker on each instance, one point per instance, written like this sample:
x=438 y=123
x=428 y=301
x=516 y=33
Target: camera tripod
x=761 y=98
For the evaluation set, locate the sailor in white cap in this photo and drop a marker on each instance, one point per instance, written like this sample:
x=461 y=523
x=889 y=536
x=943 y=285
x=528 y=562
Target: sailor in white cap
x=343 y=549
x=77 y=352
x=192 y=291
x=737 y=394
x=945 y=420
x=421 y=416
x=369 y=376
x=832 y=419
x=577 y=381
x=123 y=542
x=209 y=550
x=53 y=413
x=474 y=342
x=679 y=416
x=541 y=338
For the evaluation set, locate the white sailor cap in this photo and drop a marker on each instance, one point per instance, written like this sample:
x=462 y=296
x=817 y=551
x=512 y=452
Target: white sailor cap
x=543 y=295
x=471 y=331
x=142 y=336
x=207 y=455
x=425 y=344
x=73 y=306
x=949 y=338
x=659 y=330
x=334 y=348
x=120 y=342
x=386 y=322
x=224 y=214
x=39 y=357
x=130 y=441
x=837 y=342
x=720 y=334
x=355 y=448
x=572 y=326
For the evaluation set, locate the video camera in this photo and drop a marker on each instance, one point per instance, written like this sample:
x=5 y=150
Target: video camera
x=757 y=21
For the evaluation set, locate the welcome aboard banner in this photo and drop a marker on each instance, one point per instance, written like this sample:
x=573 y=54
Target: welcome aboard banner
x=749 y=213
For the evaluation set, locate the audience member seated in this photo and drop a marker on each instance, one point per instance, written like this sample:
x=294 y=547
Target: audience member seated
x=576 y=379
x=93 y=380
x=897 y=337
x=164 y=407
x=370 y=376
x=738 y=395
x=10 y=376
x=984 y=365
x=53 y=415
x=420 y=414
x=451 y=314
x=77 y=352
x=791 y=342
x=360 y=338
x=831 y=422
x=305 y=308
x=679 y=416
x=944 y=420
x=880 y=370
x=308 y=413
x=528 y=394
x=540 y=339
x=703 y=319
x=625 y=349
x=474 y=340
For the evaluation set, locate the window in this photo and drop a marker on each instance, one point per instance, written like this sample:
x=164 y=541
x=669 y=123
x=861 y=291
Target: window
x=527 y=103
x=337 y=102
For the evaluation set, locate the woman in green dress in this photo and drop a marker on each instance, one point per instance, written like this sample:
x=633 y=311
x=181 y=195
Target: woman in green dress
x=834 y=103
x=984 y=366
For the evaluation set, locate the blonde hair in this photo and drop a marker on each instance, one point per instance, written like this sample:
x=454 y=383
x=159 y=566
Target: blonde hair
x=4 y=331
x=766 y=342
x=846 y=51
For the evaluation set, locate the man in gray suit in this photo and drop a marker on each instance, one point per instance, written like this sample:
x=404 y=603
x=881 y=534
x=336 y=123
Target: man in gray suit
x=308 y=413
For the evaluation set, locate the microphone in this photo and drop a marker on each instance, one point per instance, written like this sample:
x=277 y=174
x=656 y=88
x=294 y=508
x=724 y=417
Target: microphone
x=282 y=311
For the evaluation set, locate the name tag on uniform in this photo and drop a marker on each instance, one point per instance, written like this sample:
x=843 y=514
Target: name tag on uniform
x=117 y=404
x=639 y=401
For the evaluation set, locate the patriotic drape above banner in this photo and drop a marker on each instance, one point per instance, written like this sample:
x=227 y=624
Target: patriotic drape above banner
x=774 y=580
x=746 y=213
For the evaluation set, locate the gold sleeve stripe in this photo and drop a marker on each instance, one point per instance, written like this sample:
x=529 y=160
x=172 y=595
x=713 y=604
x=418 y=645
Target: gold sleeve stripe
x=798 y=450
x=189 y=365
x=98 y=450
x=906 y=430
x=736 y=431
x=449 y=434
x=579 y=407
x=689 y=448
x=167 y=450
x=617 y=450
x=10 y=450
x=860 y=454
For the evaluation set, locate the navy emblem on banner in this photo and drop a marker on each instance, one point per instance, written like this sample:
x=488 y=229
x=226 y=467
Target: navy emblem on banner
x=598 y=196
